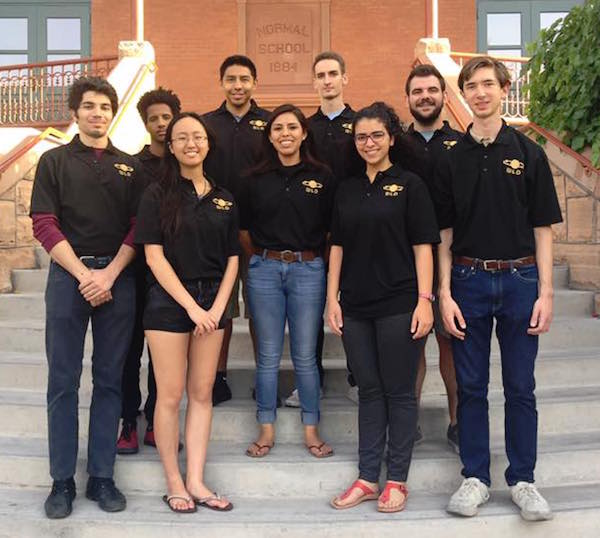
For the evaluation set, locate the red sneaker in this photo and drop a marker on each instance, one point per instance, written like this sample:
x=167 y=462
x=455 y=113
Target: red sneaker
x=128 y=440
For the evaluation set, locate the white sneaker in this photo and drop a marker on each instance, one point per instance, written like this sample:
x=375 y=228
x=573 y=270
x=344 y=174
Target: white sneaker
x=293 y=400
x=533 y=506
x=466 y=500
x=352 y=394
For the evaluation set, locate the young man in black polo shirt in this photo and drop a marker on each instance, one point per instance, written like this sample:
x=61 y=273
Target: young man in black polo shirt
x=83 y=207
x=238 y=125
x=331 y=128
x=496 y=203
x=157 y=108
x=426 y=96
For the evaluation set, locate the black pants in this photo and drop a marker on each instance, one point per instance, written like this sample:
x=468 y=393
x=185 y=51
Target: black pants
x=384 y=358
x=130 y=384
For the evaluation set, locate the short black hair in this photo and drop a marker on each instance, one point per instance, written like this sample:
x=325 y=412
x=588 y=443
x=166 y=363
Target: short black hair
x=237 y=59
x=158 y=96
x=329 y=55
x=92 y=84
x=424 y=70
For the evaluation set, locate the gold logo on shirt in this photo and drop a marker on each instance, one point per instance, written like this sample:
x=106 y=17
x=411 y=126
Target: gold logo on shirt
x=347 y=128
x=312 y=186
x=258 y=125
x=123 y=169
x=222 y=205
x=393 y=189
x=514 y=166
x=450 y=143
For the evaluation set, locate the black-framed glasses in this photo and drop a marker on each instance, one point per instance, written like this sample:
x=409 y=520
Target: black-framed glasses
x=375 y=136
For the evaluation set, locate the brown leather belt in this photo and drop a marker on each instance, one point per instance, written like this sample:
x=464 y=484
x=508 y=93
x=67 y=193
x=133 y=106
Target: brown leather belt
x=494 y=265
x=286 y=256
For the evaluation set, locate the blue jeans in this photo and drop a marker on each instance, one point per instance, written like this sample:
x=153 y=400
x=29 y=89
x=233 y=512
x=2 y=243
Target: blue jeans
x=295 y=292
x=67 y=317
x=507 y=296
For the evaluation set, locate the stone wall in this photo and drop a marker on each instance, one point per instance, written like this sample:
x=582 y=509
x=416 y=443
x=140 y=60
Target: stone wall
x=17 y=244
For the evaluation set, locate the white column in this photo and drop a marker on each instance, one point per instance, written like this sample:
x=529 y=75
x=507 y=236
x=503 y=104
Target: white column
x=434 y=19
x=139 y=20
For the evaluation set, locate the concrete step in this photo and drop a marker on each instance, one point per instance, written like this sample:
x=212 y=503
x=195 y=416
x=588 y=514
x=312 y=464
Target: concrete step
x=42 y=258
x=289 y=471
x=30 y=305
x=566 y=332
x=23 y=413
x=577 y=512
x=574 y=368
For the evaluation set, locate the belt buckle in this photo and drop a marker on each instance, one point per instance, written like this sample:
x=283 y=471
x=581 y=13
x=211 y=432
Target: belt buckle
x=486 y=267
x=288 y=256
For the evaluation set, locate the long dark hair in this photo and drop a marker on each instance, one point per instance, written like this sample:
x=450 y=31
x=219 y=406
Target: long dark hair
x=405 y=151
x=269 y=160
x=171 y=195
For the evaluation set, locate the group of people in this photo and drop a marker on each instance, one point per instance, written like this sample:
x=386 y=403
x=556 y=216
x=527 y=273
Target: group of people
x=344 y=213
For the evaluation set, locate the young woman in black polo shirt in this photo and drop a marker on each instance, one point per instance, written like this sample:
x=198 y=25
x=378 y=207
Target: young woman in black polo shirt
x=379 y=300
x=189 y=229
x=286 y=207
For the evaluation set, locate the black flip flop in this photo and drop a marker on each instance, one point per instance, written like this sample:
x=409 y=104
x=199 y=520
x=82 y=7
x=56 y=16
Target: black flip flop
x=203 y=501
x=168 y=498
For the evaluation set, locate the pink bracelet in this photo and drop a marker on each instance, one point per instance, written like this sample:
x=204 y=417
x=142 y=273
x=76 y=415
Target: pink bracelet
x=428 y=296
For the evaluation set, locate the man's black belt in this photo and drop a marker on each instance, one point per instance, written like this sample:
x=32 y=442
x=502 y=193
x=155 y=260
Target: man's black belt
x=494 y=265
x=96 y=262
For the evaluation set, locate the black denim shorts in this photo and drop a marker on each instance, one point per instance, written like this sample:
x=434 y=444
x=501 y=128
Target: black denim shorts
x=163 y=313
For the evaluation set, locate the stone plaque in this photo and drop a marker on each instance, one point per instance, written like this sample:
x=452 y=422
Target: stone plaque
x=282 y=38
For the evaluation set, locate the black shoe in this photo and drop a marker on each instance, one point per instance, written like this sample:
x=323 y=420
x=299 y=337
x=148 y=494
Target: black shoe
x=221 y=391
x=106 y=494
x=59 y=503
x=452 y=436
x=279 y=403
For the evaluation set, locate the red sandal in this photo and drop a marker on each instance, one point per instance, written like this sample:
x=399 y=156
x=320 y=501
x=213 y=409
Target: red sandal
x=385 y=497
x=369 y=495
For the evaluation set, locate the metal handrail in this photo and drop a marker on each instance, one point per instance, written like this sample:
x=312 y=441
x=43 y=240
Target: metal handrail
x=518 y=59
x=71 y=61
x=29 y=144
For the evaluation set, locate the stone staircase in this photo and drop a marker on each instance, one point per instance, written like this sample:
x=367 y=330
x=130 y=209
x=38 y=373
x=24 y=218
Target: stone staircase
x=287 y=493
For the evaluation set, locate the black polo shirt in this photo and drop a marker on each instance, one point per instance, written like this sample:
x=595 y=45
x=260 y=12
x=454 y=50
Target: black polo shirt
x=377 y=224
x=443 y=140
x=494 y=196
x=238 y=144
x=207 y=235
x=93 y=199
x=334 y=143
x=150 y=163
x=288 y=208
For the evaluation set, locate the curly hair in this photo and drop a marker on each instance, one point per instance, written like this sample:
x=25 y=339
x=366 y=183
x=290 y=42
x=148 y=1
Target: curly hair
x=92 y=84
x=158 y=96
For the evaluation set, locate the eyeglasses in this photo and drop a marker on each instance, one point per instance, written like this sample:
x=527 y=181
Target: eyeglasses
x=182 y=140
x=375 y=136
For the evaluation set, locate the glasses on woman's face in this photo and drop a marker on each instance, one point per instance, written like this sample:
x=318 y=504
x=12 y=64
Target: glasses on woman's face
x=376 y=136
x=182 y=140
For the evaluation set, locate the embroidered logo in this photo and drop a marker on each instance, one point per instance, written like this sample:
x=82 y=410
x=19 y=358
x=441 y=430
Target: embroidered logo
x=258 y=125
x=312 y=186
x=393 y=189
x=222 y=205
x=514 y=166
x=347 y=128
x=449 y=144
x=123 y=169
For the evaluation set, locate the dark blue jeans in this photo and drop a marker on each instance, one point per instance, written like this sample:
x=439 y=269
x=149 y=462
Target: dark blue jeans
x=508 y=297
x=67 y=317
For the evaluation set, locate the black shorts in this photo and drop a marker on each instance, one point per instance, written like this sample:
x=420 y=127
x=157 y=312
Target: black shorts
x=163 y=313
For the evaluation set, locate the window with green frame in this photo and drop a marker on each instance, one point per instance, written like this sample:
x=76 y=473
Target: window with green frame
x=36 y=31
x=505 y=27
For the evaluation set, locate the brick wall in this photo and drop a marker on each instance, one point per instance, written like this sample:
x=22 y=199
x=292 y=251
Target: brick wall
x=376 y=37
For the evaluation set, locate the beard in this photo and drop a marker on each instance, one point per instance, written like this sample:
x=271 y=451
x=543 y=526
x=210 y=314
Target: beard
x=429 y=119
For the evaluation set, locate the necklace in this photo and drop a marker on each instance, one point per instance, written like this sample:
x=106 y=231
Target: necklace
x=205 y=188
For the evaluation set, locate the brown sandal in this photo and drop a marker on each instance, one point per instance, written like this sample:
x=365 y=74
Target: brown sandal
x=320 y=449
x=258 y=454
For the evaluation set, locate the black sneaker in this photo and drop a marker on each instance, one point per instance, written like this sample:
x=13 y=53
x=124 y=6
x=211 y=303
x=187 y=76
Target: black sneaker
x=452 y=436
x=59 y=503
x=278 y=404
x=106 y=494
x=418 y=436
x=221 y=391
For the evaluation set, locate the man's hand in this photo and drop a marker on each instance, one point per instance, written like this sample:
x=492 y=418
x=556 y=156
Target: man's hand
x=101 y=281
x=422 y=319
x=541 y=317
x=450 y=315
x=104 y=298
x=334 y=317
